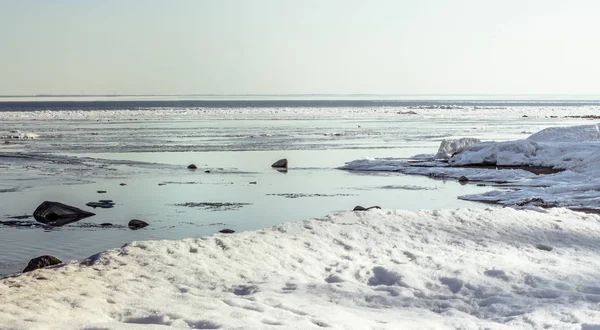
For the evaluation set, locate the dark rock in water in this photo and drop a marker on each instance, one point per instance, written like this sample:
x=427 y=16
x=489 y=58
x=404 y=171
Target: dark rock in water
x=543 y=247
x=122 y=184
x=360 y=208
x=226 y=231
x=192 y=167
x=282 y=163
x=137 y=224
x=103 y=203
x=463 y=180
x=101 y=191
x=58 y=214
x=41 y=262
x=207 y=171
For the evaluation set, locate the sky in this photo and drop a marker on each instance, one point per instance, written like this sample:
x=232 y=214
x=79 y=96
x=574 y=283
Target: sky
x=299 y=47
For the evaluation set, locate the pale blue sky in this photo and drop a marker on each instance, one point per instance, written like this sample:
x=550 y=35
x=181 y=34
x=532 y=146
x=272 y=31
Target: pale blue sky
x=300 y=47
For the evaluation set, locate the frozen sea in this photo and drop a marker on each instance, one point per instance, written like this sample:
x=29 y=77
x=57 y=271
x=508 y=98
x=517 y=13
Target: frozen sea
x=68 y=149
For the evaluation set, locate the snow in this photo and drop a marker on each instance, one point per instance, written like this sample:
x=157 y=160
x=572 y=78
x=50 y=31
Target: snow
x=575 y=149
x=449 y=147
x=384 y=269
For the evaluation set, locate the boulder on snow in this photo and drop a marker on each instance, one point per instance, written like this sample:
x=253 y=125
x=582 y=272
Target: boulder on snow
x=192 y=167
x=59 y=214
x=543 y=247
x=282 y=163
x=137 y=224
x=226 y=231
x=41 y=262
x=463 y=180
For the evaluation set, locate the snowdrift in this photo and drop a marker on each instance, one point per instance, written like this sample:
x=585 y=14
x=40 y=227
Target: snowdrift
x=573 y=149
x=470 y=269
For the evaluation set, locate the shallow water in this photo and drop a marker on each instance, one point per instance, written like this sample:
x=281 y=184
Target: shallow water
x=74 y=158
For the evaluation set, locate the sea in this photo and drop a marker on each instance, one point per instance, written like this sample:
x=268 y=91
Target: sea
x=135 y=151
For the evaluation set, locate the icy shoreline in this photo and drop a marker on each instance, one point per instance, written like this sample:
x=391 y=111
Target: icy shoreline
x=377 y=269
x=572 y=152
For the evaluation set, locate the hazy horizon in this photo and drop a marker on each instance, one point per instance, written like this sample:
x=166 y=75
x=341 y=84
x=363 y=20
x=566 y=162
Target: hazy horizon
x=271 y=47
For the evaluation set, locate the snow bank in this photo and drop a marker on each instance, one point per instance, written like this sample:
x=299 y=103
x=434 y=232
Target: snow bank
x=449 y=147
x=467 y=269
x=574 y=149
x=568 y=134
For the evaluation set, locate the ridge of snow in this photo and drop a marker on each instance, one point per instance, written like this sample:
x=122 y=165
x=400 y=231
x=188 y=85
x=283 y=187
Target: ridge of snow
x=468 y=269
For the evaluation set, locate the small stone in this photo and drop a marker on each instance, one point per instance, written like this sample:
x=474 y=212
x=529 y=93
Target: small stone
x=360 y=208
x=41 y=262
x=162 y=184
x=101 y=191
x=137 y=224
x=463 y=180
x=226 y=231
x=252 y=182
x=543 y=247
x=106 y=224
x=122 y=184
x=207 y=171
x=282 y=163
x=192 y=167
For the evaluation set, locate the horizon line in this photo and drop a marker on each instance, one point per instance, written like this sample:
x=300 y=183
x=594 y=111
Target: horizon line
x=290 y=94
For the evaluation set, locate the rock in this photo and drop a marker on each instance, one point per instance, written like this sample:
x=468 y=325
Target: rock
x=101 y=191
x=41 y=262
x=282 y=163
x=360 y=208
x=252 y=182
x=122 y=184
x=543 y=247
x=207 y=171
x=226 y=231
x=103 y=203
x=537 y=202
x=192 y=167
x=463 y=180
x=162 y=184
x=137 y=224
x=525 y=116
x=106 y=224
x=58 y=214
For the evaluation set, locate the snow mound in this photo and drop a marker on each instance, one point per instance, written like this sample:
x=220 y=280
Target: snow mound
x=573 y=149
x=510 y=153
x=568 y=134
x=449 y=147
x=467 y=269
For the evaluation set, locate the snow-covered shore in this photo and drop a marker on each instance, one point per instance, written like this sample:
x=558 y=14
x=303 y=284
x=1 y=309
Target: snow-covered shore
x=383 y=269
x=576 y=150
